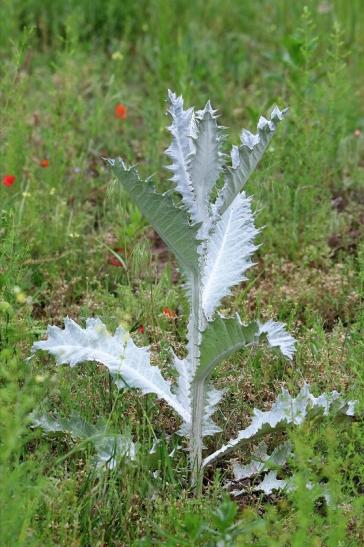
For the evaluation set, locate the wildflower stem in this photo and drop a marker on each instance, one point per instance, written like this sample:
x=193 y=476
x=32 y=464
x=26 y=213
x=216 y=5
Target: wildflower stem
x=197 y=388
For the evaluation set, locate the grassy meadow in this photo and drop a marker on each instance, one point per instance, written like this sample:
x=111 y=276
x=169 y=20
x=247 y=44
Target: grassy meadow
x=85 y=80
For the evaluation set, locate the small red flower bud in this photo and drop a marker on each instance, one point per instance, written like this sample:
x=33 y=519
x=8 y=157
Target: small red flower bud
x=120 y=111
x=170 y=314
x=44 y=163
x=8 y=180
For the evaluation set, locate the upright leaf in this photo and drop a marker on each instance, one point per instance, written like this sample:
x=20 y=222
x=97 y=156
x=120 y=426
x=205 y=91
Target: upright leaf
x=206 y=161
x=228 y=254
x=171 y=222
x=182 y=129
x=245 y=158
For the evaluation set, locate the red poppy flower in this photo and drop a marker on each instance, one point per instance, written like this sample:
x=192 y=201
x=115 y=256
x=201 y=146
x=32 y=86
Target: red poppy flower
x=170 y=314
x=115 y=261
x=8 y=180
x=141 y=329
x=44 y=163
x=120 y=111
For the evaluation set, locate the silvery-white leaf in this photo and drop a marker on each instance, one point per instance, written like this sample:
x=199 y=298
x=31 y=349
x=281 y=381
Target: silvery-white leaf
x=262 y=461
x=351 y=408
x=75 y=426
x=171 y=222
x=108 y=447
x=185 y=376
x=277 y=336
x=223 y=337
x=280 y=455
x=228 y=255
x=137 y=372
x=173 y=451
x=285 y=410
x=264 y=124
x=196 y=325
x=182 y=129
x=332 y=402
x=212 y=398
x=322 y=491
x=128 y=364
x=74 y=344
x=277 y=115
x=249 y=139
x=205 y=162
x=245 y=159
x=183 y=392
x=235 y=160
x=270 y=483
x=255 y=467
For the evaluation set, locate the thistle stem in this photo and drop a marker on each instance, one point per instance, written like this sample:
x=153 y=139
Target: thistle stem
x=197 y=388
x=196 y=437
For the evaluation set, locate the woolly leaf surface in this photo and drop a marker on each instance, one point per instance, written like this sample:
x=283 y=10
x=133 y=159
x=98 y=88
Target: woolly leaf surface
x=277 y=336
x=206 y=161
x=108 y=447
x=225 y=336
x=128 y=364
x=262 y=461
x=228 y=254
x=171 y=222
x=286 y=410
x=182 y=130
x=222 y=338
x=244 y=158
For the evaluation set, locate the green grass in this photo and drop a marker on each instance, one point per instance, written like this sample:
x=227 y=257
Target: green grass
x=65 y=66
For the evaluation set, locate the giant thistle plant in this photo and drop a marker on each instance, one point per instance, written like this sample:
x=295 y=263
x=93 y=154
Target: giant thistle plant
x=208 y=223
